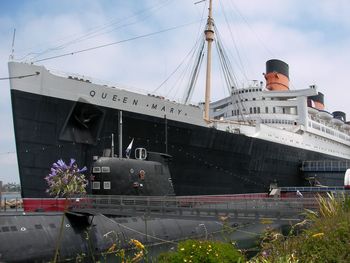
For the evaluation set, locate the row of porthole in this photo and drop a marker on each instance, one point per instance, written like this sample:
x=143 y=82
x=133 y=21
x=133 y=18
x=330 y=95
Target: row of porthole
x=103 y=169
x=97 y=185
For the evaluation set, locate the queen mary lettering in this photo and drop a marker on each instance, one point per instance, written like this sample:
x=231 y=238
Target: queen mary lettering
x=134 y=102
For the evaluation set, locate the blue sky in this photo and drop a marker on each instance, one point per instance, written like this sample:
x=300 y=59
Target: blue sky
x=313 y=37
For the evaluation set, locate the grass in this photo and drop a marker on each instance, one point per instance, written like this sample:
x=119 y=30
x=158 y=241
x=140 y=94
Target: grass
x=323 y=237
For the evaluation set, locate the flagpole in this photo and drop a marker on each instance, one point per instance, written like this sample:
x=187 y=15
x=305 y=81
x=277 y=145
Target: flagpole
x=120 y=134
x=166 y=134
x=112 y=146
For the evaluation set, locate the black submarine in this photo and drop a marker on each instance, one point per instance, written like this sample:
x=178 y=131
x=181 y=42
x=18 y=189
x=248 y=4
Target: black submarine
x=147 y=174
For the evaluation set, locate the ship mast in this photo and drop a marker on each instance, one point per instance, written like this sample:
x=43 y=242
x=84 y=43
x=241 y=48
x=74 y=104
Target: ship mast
x=209 y=37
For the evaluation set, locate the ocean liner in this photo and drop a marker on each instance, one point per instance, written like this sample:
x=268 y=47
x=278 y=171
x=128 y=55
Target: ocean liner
x=256 y=136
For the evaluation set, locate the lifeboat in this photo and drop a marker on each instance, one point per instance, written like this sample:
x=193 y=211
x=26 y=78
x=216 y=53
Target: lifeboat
x=325 y=115
x=312 y=111
x=346 y=126
x=337 y=122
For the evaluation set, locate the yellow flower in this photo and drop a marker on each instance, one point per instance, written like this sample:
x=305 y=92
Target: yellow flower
x=217 y=254
x=137 y=244
x=185 y=260
x=137 y=257
x=182 y=249
x=112 y=248
x=318 y=235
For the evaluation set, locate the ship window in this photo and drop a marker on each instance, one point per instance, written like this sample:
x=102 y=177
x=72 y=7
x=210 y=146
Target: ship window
x=283 y=110
x=267 y=109
x=5 y=229
x=250 y=110
x=106 y=169
x=96 y=169
x=246 y=99
x=13 y=228
x=258 y=109
x=263 y=98
x=253 y=98
x=274 y=110
x=38 y=226
x=238 y=111
x=254 y=109
x=107 y=185
x=96 y=185
x=250 y=90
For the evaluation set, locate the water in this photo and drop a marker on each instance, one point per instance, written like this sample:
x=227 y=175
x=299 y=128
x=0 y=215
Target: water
x=10 y=195
x=13 y=201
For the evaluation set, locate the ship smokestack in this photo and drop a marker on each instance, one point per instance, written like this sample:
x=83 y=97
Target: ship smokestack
x=316 y=101
x=277 y=75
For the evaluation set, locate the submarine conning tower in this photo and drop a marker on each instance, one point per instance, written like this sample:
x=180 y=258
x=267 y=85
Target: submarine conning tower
x=277 y=75
x=316 y=101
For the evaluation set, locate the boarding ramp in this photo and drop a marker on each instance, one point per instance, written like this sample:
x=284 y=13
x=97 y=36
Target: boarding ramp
x=325 y=172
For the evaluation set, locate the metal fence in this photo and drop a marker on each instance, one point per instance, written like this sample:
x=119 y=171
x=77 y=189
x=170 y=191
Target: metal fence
x=185 y=207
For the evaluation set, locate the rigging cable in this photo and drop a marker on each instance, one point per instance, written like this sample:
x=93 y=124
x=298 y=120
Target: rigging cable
x=21 y=77
x=194 y=73
x=234 y=43
x=114 y=43
x=198 y=41
x=251 y=28
x=94 y=31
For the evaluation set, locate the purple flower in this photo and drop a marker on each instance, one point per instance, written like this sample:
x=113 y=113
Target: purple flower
x=61 y=164
x=72 y=161
x=84 y=169
x=65 y=180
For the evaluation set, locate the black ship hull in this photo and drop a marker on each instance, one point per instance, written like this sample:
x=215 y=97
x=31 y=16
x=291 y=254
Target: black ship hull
x=205 y=161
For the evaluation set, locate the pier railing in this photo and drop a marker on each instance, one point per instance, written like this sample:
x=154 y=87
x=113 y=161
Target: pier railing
x=196 y=207
x=10 y=204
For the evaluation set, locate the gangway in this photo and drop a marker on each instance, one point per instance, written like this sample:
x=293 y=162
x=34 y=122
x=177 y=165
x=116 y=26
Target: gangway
x=325 y=172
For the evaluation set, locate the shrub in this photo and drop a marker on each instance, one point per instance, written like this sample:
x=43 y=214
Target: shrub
x=326 y=240
x=197 y=251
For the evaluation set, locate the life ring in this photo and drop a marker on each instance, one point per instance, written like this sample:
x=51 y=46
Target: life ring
x=142 y=175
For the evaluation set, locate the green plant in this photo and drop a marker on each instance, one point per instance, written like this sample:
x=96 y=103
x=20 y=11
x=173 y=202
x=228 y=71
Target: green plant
x=202 y=251
x=65 y=180
x=326 y=239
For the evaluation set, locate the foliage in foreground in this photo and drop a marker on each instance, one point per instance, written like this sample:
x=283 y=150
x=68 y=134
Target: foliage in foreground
x=200 y=251
x=327 y=239
x=66 y=180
